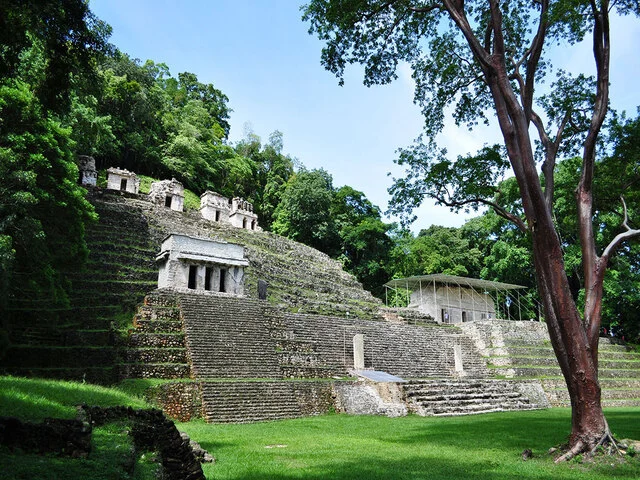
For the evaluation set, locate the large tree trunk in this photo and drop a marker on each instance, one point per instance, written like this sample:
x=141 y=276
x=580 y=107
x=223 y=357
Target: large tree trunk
x=571 y=344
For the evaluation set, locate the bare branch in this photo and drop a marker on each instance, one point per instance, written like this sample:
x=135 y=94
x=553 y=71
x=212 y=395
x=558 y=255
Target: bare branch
x=621 y=237
x=501 y=211
x=428 y=9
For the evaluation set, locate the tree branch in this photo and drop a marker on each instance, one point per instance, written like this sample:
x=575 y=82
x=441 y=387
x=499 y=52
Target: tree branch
x=430 y=8
x=501 y=211
x=584 y=192
x=457 y=14
x=621 y=237
x=534 y=58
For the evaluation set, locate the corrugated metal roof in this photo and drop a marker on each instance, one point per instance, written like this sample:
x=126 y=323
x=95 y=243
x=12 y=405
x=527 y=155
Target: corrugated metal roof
x=414 y=282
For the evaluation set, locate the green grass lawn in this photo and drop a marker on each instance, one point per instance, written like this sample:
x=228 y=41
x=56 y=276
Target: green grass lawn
x=325 y=447
x=366 y=447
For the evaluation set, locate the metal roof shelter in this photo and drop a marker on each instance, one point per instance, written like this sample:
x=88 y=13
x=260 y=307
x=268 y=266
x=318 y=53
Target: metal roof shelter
x=453 y=299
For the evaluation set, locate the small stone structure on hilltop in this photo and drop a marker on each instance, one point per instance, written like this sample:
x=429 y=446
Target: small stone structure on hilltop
x=237 y=211
x=123 y=180
x=201 y=265
x=169 y=193
x=88 y=172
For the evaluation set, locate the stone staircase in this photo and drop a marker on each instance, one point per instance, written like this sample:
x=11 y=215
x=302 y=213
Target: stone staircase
x=299 y=277
x=522 y=350
x=155 y=347
x=408 y=351
x=449 y=397
x=227 y=337
x=244 y=402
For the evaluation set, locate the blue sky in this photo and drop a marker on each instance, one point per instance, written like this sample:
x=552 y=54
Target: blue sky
x=260 y=55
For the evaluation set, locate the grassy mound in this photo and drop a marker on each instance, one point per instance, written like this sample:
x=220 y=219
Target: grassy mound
x=112 y=455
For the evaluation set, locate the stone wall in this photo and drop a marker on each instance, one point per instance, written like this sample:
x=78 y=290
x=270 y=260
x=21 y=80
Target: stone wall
x=492 y=337
x=181 y=401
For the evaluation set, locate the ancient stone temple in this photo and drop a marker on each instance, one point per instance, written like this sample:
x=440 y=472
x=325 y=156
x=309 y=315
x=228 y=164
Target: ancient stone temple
x=201 y=264
x=452 y=299
x=88 y=172
x=169 y=193
x=215 y=207
x=237 y=212
x=123 y=180
x=242 y=215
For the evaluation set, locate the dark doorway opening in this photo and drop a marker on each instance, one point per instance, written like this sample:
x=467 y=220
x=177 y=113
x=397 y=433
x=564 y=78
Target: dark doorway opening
x=123 y=184
x=223 y=278
x=208 y=273
x=193 y=272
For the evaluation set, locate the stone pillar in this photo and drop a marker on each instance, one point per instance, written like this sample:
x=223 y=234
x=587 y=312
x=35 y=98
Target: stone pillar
x=457 y=358
x=262 y=289
x=358 y=352
x=202 y=271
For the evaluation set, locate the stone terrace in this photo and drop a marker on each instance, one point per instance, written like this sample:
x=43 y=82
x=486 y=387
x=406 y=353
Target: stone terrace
x=300 y=278
x=522 y=350
x=254 y=361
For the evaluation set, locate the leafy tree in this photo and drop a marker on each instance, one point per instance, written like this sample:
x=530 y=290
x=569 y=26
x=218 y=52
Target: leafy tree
x=45 y=47
x=436 y=250
x=43 y=210
x=304 y=212
x=44 y=43
x=365 y=245
x=483 y=55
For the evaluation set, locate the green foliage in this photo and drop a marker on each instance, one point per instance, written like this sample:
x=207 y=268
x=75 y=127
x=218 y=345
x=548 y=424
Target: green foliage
x=43 y=212
x=365 y=245
x=191 y=200
x=302 y=214
x=44 y=42
x=435 y=250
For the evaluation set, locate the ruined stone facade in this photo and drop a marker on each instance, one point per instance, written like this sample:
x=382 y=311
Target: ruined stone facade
x=203 y=265
x=215 y=207
x=169 y=193
x=88 y=172
x=237 y=212
x=123 y=180
x=242 y=215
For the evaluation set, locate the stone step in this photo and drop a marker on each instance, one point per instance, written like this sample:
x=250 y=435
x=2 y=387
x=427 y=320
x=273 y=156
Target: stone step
x=548 y=352
x=155 y=370
x=247 y=402
x=516 y=361
x=482 y=408
x=156 y=340
x=541 y=372
x=157 y=327
x=155 y=355
x=155 y=312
